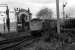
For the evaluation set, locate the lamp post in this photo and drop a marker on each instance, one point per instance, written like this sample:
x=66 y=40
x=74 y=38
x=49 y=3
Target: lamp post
x=58 y=20
x=16 y=14
x=64 y=5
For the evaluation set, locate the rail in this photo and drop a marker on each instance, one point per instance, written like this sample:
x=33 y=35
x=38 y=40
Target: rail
x=18 y=44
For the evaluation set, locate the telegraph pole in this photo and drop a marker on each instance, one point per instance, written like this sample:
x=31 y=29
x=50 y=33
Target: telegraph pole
x=4 y=23
x=58 y=19
x=8 y=19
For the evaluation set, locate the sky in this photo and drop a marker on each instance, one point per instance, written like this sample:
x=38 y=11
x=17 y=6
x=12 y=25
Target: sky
x=36 y=5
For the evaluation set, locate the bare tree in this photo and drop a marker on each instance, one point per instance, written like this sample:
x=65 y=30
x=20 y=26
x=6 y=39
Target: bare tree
x=45 y=13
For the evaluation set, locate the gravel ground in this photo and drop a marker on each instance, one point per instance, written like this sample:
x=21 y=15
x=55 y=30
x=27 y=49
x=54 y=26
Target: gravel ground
x=48 y=46
x=41 y=45
x=1 y=38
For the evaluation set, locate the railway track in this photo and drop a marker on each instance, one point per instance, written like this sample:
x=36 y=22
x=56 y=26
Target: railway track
x=13 y=45
x=13 y=40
